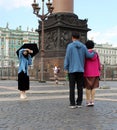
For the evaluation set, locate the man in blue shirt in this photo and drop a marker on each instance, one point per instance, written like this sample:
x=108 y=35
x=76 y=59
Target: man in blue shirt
x=76 y=53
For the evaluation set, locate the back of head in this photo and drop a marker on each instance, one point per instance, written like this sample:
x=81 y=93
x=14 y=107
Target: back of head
x=75 y=35
x=90 y=44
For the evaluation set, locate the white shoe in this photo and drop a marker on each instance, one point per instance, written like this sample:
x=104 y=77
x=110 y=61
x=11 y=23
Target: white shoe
x=23 y=96
x=79 y=106
x=92 y=103
x=72 y=107
x=88 y=104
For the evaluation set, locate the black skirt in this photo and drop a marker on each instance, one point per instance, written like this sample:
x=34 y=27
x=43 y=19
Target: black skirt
x=23 y=81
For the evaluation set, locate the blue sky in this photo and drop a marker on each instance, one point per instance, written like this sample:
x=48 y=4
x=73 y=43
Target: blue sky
x=101 y=17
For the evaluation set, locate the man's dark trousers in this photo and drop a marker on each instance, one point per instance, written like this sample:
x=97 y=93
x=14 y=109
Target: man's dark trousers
x=77 y=78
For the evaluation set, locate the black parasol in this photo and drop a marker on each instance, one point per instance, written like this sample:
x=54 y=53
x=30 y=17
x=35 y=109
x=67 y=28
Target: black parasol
x=31 y=46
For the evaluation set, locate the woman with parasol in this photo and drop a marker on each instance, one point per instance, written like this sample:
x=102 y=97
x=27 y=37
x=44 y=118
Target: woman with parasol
x=25 y=60
x=25 y=54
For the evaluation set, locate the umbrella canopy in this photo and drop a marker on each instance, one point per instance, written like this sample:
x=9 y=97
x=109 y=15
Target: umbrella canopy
x=31 y=46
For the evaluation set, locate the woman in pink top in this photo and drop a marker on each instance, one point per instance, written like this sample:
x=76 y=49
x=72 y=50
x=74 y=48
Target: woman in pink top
x=91 y=74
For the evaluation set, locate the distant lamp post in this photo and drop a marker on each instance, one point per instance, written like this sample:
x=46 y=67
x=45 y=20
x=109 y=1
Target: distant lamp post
x=43 y=16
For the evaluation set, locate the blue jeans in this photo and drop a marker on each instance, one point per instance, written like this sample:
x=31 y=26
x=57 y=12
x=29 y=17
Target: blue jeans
x=77 y=78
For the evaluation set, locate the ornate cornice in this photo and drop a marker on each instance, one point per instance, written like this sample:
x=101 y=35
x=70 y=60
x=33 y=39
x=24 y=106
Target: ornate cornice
x=68 y=20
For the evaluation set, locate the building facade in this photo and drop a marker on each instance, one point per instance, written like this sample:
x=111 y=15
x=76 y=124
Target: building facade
x=11 y=40
x=108 y=59
x=107 y=53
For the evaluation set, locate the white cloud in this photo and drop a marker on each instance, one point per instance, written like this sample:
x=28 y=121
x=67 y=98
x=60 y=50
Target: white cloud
x=107 y=36
x=11 y=4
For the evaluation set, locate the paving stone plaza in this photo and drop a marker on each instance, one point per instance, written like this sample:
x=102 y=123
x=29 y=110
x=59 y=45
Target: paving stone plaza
x=46 y=108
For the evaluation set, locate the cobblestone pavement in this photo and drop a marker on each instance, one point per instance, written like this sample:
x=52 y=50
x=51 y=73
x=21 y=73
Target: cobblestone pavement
x=46 y=108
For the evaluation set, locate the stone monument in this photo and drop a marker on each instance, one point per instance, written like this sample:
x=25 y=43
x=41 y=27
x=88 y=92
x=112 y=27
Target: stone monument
x=58 y=29
x=63 y=6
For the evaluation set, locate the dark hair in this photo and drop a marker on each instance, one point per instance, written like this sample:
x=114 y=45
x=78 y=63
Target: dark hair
x=90 y=44
x=75 y=35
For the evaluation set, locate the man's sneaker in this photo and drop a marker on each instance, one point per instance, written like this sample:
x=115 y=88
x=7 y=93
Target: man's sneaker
x=72 y=107
x=79 y=106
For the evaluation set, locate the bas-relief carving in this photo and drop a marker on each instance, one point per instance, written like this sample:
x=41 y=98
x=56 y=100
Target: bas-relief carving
x=83 y=37
x=65 y=38
x=51 y=40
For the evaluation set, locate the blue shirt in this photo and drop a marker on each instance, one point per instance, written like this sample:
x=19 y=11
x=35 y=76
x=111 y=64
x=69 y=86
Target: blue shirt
x=24 y=62
x=76 y=53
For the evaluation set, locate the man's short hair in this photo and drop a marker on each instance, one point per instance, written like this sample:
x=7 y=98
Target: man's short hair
x=75 y=35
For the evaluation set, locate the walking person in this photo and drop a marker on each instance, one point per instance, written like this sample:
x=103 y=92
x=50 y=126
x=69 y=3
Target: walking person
x=76 y=53
x=56 y=70
x=91 y=73
x=23 y=76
